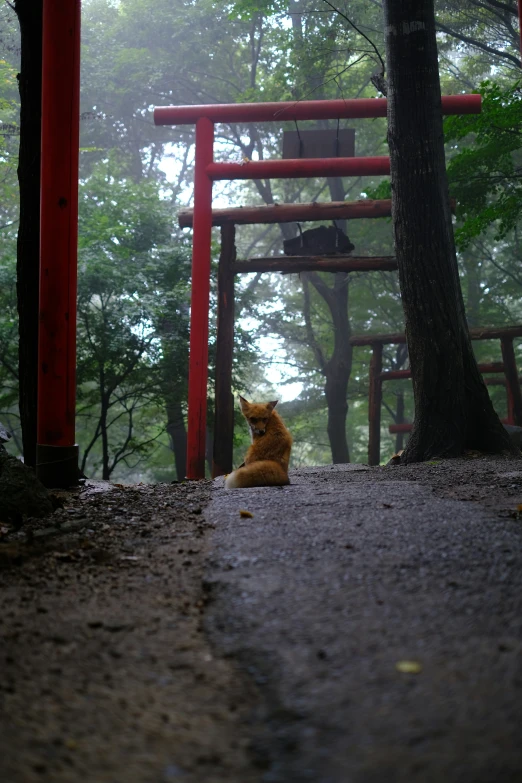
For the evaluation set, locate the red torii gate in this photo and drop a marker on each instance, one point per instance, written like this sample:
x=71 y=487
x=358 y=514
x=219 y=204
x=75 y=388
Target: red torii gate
x=206 y=171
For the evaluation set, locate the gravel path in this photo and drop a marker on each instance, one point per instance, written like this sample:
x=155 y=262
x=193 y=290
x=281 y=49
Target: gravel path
x=146 y=637
x=107 y=676
x=351 y=574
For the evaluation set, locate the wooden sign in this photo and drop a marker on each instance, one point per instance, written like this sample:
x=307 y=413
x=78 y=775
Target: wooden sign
x=319 y=143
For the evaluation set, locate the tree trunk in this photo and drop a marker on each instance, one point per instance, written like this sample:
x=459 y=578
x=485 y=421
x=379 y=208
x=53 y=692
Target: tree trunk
x=339 y=367
x=209 y=447
x=453 y=411
x=28 y=250
x=335 y=392
x=338 y=370
x=106 y=472
x=178 y=437
x=399 y=419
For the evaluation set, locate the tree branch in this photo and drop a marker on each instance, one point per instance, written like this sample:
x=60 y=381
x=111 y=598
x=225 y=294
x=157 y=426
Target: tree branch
x=478 y=44
x=347 y=19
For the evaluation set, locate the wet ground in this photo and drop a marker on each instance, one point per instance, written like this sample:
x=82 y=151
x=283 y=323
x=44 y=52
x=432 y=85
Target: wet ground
x=361 y=625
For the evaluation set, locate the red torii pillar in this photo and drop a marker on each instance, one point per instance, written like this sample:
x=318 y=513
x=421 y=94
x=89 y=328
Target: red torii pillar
x=206 y=171
x=56 y=451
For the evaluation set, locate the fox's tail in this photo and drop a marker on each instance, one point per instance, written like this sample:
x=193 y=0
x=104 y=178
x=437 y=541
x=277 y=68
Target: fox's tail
x=264 y=473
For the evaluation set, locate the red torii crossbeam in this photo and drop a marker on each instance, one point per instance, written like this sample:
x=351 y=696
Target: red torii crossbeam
x=206 y=171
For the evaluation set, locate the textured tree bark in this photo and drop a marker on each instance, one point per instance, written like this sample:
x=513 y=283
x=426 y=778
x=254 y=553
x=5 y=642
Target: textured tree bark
x=399 y=419
x=224 y=399
x=178 y=437
x=337 y=371
x=453 y=409
x=28 y=253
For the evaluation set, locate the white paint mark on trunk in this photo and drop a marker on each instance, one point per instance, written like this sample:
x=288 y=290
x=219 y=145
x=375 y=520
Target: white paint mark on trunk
x=412 y=27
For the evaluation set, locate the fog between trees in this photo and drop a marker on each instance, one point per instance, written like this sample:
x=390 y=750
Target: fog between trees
x=134 y=262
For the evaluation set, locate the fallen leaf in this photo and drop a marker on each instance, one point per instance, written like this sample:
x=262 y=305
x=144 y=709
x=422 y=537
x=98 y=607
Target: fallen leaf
x=408 y=667
x=247 y=514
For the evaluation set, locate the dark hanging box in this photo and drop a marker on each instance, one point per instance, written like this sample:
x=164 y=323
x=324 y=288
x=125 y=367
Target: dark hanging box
x=319 y=143
x=325 y=240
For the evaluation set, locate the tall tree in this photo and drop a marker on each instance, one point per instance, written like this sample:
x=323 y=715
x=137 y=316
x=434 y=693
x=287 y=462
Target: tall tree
x=453 y=411
x=29 y=14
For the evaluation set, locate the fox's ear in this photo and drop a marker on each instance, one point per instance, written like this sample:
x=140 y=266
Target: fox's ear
x=271 y=405
x=244 y=404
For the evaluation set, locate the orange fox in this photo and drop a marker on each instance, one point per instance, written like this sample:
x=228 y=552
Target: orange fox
x=266 y=461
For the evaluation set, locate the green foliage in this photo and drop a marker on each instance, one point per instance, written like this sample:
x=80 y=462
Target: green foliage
x=246 y=9
x=383 y=190
x=485 y=172
x=133 y=293
x=134 y=275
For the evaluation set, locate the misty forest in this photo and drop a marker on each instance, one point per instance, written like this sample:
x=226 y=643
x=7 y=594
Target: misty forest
x=292 y=331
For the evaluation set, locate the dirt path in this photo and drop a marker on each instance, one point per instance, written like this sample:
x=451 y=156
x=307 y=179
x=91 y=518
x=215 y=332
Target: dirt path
x=149 y=636
x=381 y=619
x=106 y=675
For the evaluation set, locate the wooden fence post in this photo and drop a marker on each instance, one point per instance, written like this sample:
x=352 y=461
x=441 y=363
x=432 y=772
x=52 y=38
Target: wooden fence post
x=224 y=401
x=374 y=405
x=513 y=386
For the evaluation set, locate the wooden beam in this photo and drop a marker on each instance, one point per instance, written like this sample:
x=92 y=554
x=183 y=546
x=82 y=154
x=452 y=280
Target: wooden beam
x=395 y=375
x=290 y=264
x=398 y=375
x=289 y=213
x=487 y=333
x=394 y=429
x=374 y=406
x=499 y=381
x=373 y=339
x=224 y=400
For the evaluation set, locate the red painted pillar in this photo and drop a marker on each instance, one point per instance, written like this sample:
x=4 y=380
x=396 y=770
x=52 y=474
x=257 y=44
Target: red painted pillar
x=57 y=454
x=198 y=361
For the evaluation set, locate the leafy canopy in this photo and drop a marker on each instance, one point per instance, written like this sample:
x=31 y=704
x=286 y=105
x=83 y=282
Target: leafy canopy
x=485 y=174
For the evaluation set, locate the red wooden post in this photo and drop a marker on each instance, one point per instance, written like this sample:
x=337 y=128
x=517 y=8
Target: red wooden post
x=198 y=361
x=57 y=454
x=374 y=406
x=400 y=429
x=513 y=387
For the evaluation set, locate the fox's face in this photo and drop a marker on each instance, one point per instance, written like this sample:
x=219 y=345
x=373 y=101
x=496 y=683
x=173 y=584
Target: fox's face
x=257 y=414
